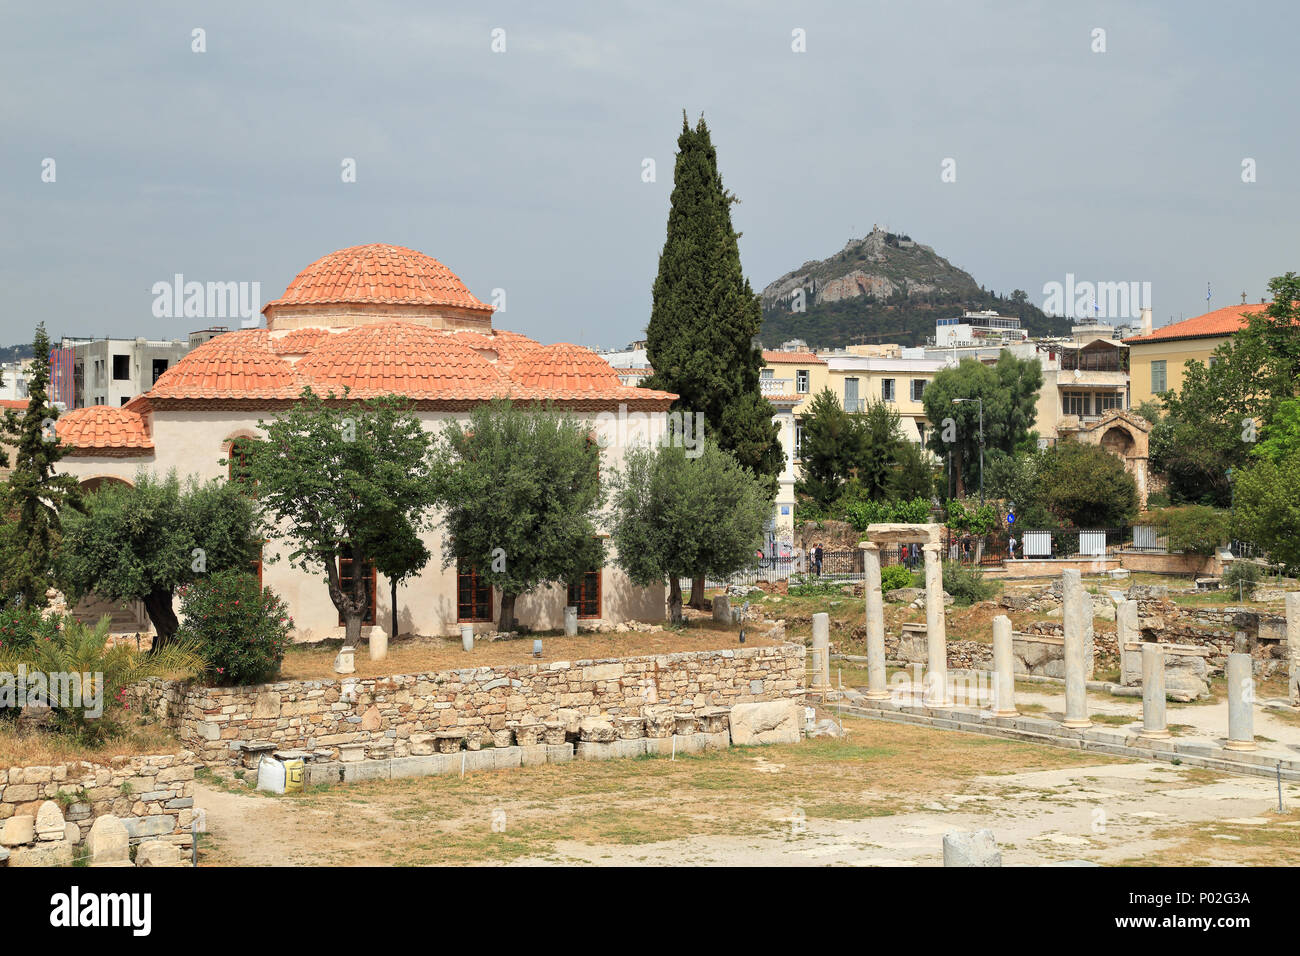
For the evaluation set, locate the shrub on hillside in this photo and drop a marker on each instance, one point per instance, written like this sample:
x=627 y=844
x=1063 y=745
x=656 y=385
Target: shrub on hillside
x=1195 y=529
x=967 y=585
x=894 y=576
x=240 y=627
x=1241 y=572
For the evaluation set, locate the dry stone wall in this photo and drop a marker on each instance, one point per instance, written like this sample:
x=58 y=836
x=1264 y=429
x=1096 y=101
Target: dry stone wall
x=152 y=795
x=382 y=713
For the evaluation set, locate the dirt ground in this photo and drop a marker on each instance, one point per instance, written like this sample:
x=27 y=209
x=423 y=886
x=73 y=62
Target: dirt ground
x=884 y=795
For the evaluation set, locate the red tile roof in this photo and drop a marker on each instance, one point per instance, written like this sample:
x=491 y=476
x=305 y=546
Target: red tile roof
x=103 y=428
x=236 y=364
x=564 y=367
x=1214 y=324
x=399 y=358
x=801 y=358
x=15 y=403
x=378 y=273
x=297 y=342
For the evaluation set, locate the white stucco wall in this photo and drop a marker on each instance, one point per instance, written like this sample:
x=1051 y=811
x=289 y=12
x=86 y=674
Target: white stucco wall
x=194 y=442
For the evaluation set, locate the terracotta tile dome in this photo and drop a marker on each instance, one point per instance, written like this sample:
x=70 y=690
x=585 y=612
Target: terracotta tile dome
x=378 y=274
x=385 y=358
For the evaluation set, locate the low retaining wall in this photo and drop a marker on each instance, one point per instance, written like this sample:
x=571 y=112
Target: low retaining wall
x=324 y=715
x=1040 y=654
x=152 y=795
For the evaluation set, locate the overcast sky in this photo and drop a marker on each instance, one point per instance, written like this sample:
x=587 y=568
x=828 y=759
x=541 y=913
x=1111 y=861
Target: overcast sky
x=522 y=170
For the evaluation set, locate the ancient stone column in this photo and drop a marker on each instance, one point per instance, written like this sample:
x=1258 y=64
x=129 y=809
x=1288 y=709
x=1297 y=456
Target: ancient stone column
x=571 y=620
x=1153 y=691
x=1293 y=644
x=936 y=678
x=876 y=684
x=1241 y=702
x=1076 y=612
x=1004 y=669
x=821 y=646
x=1126 y=623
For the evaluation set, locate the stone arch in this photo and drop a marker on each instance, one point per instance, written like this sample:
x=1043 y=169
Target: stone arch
x=95 y=482
x=1118 y=440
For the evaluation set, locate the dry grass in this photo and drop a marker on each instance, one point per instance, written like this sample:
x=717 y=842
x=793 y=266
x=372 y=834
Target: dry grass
x=1216 y=843
x=417 y=655
x=42 y=748
x=878 y=769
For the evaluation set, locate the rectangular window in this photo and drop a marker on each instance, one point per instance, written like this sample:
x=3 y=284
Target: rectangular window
x=1158 y=379
x=851 y=395
x=121 y=368
x=256 y=564
x=473 y=596
x=801 y=381
x=368 y=576
x=585 y=595
x=918 y=389
x=1108 y=400
x=1076 y=403
x=887 y=390
x=159 y=366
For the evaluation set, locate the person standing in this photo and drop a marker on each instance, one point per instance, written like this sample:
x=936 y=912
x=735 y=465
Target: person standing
x=1011 y=547
x=817 y=559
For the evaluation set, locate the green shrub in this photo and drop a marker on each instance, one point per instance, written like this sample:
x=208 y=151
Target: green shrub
x=242 y=628
x=78 y=649
x=1242 y=572
x=804 y=586
x=1195 y=529
x=967 y=585
x=894 y=576
x=21 y=627
x=861 y=512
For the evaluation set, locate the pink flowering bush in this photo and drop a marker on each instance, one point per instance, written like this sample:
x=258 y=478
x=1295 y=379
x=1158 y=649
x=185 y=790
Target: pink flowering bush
x=241 y=628
x=22 y=627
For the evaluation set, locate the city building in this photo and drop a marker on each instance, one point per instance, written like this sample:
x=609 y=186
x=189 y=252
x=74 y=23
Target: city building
x=378 y=320
x=899 y=382
x=114 y=371
x=1158 y=355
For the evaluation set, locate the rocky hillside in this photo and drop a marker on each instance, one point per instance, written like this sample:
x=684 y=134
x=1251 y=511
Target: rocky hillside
x=882 y=288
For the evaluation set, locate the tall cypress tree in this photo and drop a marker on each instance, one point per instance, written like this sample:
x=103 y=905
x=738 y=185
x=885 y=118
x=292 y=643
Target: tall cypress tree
x=33 y=493
x=705 y=314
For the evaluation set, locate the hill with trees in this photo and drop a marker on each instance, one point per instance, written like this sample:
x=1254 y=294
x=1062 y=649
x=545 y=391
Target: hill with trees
x=885 y=287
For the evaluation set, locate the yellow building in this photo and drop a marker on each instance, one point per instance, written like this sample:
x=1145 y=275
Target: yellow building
x=1156 y=358
x=858 y=380
x=793 y=372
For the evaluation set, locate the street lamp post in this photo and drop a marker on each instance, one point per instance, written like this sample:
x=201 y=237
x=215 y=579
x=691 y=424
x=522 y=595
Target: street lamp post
x=958 y=401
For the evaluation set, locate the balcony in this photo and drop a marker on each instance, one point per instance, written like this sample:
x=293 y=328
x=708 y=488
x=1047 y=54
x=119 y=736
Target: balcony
x=776 y=386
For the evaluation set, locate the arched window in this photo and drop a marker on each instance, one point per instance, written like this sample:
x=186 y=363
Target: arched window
x=239 y=461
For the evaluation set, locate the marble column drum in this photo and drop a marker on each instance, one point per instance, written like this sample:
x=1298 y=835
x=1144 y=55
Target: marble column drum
x=1004 y=669
x=1153 y=692
x=1076 y=614
x=1241 y=702
x=821 y=646
x=936 y=678
x=876 y=683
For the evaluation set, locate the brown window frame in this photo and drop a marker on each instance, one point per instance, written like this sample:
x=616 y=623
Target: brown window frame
x=237 y=455
x=345 y=583
x=579 y=597
x=469 y=577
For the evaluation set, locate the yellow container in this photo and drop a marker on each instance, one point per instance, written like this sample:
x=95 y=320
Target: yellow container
x=293 y=776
